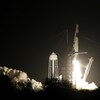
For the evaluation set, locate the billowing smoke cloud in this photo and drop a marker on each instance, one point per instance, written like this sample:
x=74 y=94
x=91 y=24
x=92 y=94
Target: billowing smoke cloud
x=85 y=85
x=36 y=85
x=89 y=86
x=14 y=75
x=20 y=76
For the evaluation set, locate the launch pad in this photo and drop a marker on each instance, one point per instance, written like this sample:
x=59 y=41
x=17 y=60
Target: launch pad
x=77 y=79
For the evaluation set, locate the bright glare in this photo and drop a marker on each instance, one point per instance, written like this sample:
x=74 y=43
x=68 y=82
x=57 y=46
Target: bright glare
x=77 y=80
x=76 y=73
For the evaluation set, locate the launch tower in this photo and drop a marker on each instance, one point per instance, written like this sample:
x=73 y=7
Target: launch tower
x=53 y=66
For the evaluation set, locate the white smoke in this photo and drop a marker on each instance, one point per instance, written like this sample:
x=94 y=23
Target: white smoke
x=36 y=85
x=20 y=76
x=85 y=85
x=14 y=75
x=1 y=70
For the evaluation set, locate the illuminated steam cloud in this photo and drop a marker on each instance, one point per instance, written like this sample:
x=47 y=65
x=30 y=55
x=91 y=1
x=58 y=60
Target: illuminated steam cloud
x=15 y=75
x=20 y=76
x=36 y=85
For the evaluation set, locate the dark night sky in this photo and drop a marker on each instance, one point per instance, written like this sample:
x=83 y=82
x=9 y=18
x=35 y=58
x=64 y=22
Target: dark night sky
x=30 y=31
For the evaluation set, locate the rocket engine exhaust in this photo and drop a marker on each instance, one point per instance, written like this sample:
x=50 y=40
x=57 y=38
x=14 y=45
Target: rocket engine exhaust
x=77 y=81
